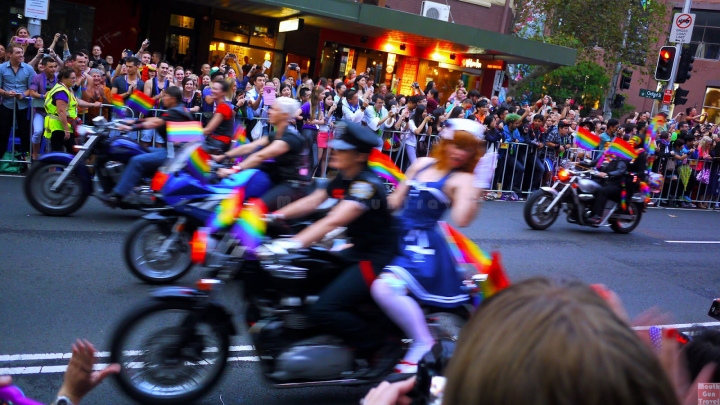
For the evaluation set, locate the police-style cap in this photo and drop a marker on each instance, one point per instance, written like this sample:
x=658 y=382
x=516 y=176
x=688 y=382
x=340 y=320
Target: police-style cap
x=351 y=136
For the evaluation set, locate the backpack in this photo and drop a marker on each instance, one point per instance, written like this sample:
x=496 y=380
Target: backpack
x=338 y=113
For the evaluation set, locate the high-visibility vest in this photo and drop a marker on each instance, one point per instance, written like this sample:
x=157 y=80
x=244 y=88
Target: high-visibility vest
x=52 y=120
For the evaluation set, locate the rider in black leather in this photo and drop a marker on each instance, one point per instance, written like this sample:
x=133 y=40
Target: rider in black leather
x=290 y=172
x=364 y=212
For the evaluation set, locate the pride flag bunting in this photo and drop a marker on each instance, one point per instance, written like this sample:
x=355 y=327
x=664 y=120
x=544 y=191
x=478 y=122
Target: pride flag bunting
x=181 y=132
x=466 y=252
x=587 y=140
x=140 y=102
x=384 y=167
x=198 y=165
x=622 y=149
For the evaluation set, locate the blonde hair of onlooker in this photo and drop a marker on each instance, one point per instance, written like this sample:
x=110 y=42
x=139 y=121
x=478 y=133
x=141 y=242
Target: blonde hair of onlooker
x=546 y=342
x=233 y=86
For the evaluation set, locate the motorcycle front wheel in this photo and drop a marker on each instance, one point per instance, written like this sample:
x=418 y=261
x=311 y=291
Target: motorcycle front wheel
x=534 y=210
x=156 y=368
x=625 y=226
x=146 y=258
x=68 y=198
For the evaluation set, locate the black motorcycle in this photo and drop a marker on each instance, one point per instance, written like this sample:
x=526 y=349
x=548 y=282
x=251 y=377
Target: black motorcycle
x=181 y=357
x=574 y=191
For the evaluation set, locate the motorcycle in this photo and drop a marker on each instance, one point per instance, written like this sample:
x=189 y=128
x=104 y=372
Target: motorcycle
x=157 y=250
x=184 y=357
x=58 y=184
x=575 y=188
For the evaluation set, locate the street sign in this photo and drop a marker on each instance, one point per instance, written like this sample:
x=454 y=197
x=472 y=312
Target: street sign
x=667 y=97
x=682 y=27
x=655 y=95
x=36 y=9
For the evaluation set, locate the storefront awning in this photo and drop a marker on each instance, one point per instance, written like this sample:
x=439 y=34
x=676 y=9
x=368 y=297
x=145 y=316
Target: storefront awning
x=401 y=27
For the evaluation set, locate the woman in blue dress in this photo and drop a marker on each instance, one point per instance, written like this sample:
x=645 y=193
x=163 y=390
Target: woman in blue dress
x=452 y=179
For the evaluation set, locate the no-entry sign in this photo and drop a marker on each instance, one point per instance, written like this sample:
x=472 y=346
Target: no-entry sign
x=682 y=27
x=667 y=97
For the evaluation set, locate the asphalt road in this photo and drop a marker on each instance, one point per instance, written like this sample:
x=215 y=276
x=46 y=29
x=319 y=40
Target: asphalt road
x=64 y=278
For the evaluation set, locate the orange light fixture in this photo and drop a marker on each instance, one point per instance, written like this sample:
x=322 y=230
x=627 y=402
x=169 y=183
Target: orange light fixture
x=198 y=246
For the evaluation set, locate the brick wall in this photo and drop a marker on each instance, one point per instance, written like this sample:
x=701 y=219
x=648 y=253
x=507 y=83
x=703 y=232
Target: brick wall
x=472 y=15
x=705 y=73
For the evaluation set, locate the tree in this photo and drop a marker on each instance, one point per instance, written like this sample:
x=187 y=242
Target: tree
x=595 y=29
x=585 y=83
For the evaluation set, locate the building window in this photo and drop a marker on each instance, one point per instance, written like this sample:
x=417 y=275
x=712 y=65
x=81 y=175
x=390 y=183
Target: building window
x=218 y=50
x=711 y=104
x=182 y=21
x=232 y=32
x=705 y=41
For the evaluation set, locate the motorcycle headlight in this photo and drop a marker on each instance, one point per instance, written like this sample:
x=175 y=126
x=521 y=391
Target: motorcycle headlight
x=563 y=175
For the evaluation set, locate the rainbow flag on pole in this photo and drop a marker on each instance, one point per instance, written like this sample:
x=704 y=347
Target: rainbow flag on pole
x=250 y=228
x=466 y=252
x=198 y=165
x=181 y=132
x=140 y=102
x=227 y=211
x=118 y=104
x=622 y=149
x=240 y=137
x=385 y=168
x=586 y=140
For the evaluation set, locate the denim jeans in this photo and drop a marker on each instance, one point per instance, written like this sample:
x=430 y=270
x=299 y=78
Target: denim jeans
x=138 y=167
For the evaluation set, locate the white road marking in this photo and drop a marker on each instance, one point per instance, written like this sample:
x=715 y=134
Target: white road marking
x=54 y=369
x=699 y=242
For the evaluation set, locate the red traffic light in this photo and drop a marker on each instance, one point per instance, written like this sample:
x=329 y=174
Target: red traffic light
x=665 y=55
x=665 y=62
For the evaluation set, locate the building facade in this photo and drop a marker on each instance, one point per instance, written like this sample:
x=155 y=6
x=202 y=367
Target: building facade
x=704 y=82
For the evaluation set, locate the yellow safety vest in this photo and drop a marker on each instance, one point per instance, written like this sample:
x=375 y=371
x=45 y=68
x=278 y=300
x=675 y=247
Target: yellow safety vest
x=52 y=120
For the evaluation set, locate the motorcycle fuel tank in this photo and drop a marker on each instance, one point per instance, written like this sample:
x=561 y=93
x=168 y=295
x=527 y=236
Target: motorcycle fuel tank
x=588 y=186
x=122 y=149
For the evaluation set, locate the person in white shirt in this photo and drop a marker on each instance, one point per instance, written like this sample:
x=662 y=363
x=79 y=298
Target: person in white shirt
x=352 y=110
x=339 y=92
x=254 y=100
x=378 y=118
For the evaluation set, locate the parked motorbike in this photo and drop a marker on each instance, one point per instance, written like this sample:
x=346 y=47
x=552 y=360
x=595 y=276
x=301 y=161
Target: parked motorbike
x=575 y=188
x=181 y=358
x=157 y=250
x=58 y=183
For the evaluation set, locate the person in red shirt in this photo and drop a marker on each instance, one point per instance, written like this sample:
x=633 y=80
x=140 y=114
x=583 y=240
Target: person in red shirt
x=219 y=130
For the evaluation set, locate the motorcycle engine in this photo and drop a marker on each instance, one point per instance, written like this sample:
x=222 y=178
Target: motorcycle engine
x=114 y=170
x=318 y=358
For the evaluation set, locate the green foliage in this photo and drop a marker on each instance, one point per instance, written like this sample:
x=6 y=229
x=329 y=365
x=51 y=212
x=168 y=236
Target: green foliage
x=586 y=83
x=595 y=30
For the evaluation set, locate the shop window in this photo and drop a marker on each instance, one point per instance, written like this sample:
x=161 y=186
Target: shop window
x=180 y=42
x=182 y=21
x=705 y=40
x=232 y=32
x=711 y=104
x=263 y=36
x=75 y=20
x=218 y=50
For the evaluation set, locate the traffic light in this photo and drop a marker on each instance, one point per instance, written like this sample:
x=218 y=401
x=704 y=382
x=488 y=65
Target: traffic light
x=625 y=79
x=619 y=101
x=685 y=65
x=665 y=63
x=680 y=96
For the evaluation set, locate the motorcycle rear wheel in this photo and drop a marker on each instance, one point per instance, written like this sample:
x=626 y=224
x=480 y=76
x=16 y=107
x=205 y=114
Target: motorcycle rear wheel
x=143 y=259
x=64 y=201
x=625 y=227
x=535 y=204
x=154 y=382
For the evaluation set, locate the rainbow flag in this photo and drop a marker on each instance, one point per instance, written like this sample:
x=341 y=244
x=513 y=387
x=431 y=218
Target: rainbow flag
x=181 y=132
x=227 y=211
x=250 y=228
x=140 y=102
x=656 y=126
x=586 y=139
x=622 y=149
x=385 y=168
x=240 y=137
x=466 y=252
x=198 y=165
x=118 y=104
